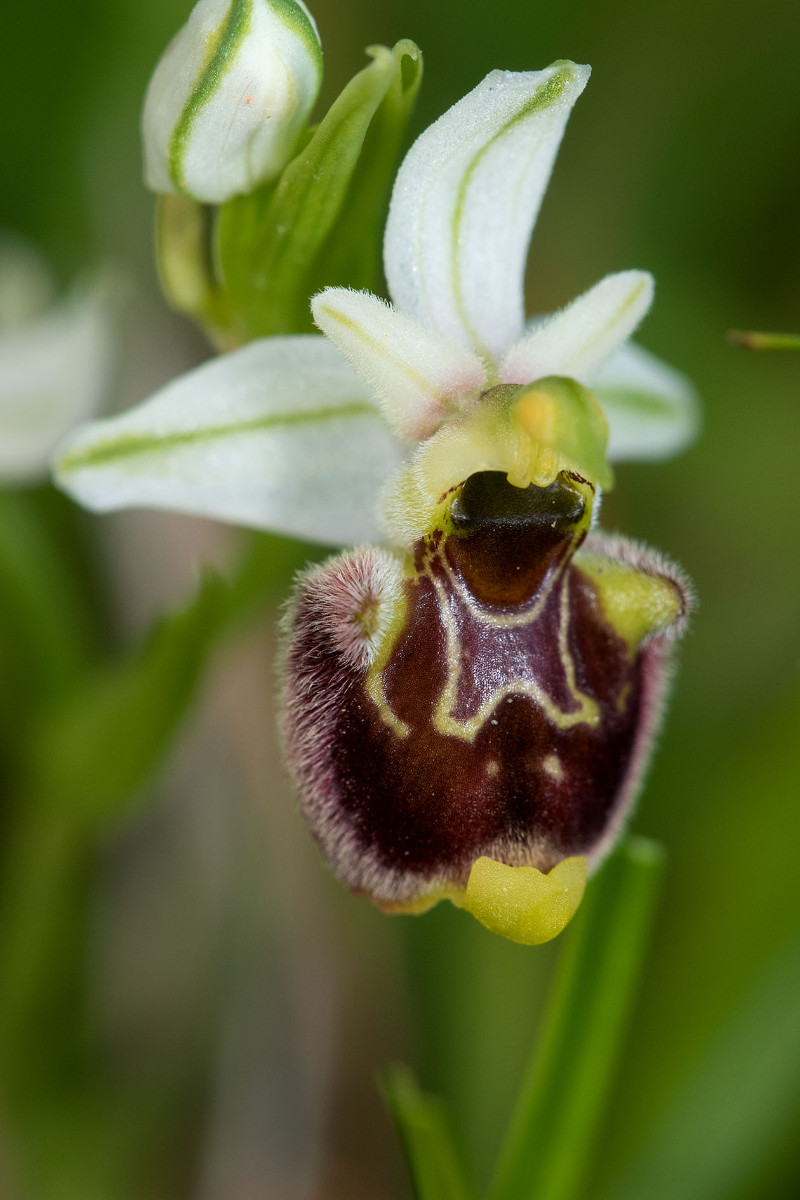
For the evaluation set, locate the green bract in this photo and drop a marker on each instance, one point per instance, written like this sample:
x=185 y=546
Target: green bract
x=322 y=220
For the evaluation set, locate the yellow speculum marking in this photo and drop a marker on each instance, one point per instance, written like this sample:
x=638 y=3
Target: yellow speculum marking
x=377 y=695
x=587 y=711
x=374 y=681
x=588 y=706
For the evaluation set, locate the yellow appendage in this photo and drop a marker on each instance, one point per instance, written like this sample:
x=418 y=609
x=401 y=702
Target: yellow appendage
x=523 y=904
x=636 y=605
x=520 y=903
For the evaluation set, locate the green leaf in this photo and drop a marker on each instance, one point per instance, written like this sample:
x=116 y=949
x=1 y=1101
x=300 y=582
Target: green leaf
x=104 y=741
x=276 y=245
x=738 y=1104
x=87 y=759
x=44 y=615
x=546 y=1153
x=421 y=1122
x=91 y=753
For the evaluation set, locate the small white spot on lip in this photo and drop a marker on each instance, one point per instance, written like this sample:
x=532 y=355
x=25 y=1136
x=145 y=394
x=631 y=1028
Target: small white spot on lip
x=551 y=763
x=492 y=768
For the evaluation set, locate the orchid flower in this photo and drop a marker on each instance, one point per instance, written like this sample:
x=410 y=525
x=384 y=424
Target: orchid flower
x=469 y=707
x=55 y=360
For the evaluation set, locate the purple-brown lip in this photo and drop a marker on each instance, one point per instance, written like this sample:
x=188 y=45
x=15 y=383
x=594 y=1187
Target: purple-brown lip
x=504 y=716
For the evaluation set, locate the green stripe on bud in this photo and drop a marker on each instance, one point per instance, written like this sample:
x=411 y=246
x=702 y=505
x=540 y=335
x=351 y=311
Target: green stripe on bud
x=230 y=98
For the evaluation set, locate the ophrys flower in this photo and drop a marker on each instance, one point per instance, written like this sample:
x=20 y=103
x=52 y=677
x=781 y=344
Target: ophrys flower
x=479 y=696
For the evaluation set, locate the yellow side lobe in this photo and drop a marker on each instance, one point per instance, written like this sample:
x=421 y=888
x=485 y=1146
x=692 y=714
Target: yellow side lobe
x=635 y=604
x=523 y=904
x=422 y=904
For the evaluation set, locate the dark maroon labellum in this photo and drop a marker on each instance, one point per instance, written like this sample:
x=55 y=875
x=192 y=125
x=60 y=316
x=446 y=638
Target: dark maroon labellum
x=495 y=694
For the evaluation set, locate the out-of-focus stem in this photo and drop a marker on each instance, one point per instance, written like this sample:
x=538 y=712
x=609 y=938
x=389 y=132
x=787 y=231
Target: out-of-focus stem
x=560 y=1108
x=433 y=1161
x=750 y=340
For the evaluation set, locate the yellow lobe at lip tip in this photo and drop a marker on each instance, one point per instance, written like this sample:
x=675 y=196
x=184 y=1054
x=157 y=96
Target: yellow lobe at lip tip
x=522 y=903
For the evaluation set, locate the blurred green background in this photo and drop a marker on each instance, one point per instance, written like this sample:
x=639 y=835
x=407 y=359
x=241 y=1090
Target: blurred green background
x=216 y=1007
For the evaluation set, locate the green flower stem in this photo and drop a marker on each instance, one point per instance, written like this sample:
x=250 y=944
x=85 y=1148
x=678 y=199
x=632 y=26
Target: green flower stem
x=547 y=1149
x=751 y=340
x=421 y=1122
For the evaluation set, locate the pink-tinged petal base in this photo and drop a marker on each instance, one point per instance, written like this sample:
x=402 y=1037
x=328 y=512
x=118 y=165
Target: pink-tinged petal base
x=504 y=711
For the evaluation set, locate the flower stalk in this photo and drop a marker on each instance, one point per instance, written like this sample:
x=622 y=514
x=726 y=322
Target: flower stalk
x=753 y=340
x=548 y=1147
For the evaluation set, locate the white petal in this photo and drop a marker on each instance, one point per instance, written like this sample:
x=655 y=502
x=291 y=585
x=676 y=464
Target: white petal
x=652 y=410
x=27 y=282
x=229 y=97
x=577 y=340
x=418 y=375
x=54 y=372
x=280 y=435
x=465 y=201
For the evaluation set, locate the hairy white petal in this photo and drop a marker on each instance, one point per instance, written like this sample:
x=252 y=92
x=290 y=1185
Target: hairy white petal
x=652 y=410
x=229 y=97
x=579 y=338
x=54 y=372
x=280 y=435
x=465 y=201
x=418 y=375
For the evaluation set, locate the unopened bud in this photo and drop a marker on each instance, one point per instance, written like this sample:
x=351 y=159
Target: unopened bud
x=230 y=97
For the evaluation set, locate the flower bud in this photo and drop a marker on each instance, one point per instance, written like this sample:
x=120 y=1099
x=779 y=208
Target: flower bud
x=229 y=98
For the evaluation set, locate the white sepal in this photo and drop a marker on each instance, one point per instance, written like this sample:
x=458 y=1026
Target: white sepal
x=652 y=410
x=465 y=202
x=229 y=97
x=27 y=282
x=54 y=372
x=419 y=376
x=279 y=435
x=579 y=338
